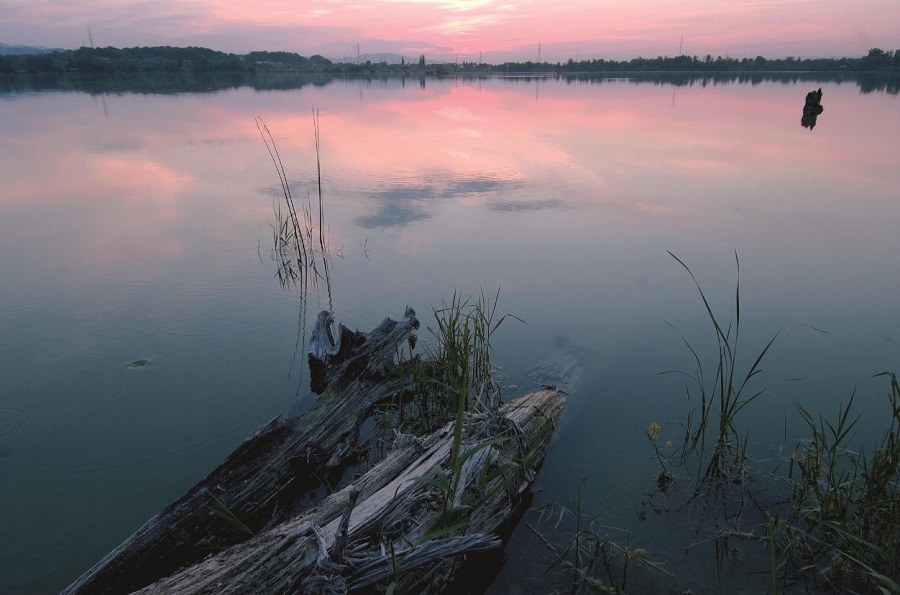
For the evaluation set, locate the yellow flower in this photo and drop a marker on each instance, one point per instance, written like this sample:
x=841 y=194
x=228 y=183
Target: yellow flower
x=669 y=443
x=653 y=431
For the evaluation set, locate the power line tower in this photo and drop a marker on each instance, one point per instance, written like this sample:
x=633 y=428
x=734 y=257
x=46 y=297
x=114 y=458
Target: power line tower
x=539 y=52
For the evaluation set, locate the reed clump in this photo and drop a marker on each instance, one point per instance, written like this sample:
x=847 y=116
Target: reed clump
x=706 y=473
x=299 y=243
x=832 y=510
x=840 y=528
x=454 y=374
x=452 y=379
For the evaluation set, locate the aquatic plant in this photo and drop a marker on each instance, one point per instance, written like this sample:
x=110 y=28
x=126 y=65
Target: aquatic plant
x=832 y=517
x=453 y=380
x=294 y=229
x=706 y=472
x=592 y=561
x=454 y=373
x=840 y=528
x=293 y=249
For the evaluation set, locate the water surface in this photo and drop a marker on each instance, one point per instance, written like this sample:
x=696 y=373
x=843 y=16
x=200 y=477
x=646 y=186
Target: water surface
x=143 y=333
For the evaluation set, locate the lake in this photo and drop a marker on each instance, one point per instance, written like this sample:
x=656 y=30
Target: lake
x=144 y=332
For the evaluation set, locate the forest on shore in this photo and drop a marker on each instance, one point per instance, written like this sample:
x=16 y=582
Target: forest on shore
x=109 y=60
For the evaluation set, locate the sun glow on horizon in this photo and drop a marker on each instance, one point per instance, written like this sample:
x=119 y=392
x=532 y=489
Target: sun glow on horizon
x=495 y=30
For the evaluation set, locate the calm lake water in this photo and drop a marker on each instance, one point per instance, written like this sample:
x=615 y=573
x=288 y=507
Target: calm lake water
x=143 y=333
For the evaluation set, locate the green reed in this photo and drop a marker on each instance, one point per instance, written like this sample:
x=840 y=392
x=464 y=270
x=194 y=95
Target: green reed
x=454 y=373
x=832 y=511
x=711 y=438
x=452 y=379
x=294 y=228
x=840 y=528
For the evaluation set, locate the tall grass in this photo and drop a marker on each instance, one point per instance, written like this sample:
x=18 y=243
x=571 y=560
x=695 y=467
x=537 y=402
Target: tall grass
x=452 y=379
x=706 y=473
x=832 y=512
x=711 y=438
x=840 y=529
x=294 y=250
x=294 y=230
x=454 y=374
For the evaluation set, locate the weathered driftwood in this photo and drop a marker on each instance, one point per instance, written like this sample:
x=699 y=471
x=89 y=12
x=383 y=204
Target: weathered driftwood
x=409 y=520
x=275 y=473
x=812 y=107
x=394 y=524
x=813 y=100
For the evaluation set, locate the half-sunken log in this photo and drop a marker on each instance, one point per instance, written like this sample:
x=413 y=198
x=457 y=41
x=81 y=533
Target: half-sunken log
x=273 y=475
x=396 y=524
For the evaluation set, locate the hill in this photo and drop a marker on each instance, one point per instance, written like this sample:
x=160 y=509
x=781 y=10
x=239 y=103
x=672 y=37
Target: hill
x=25 y=50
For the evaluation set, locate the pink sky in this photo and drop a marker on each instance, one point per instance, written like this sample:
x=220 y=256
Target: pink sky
x=498 y=30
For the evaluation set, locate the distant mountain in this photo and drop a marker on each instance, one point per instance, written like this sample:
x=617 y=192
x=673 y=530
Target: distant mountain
x=22 y=50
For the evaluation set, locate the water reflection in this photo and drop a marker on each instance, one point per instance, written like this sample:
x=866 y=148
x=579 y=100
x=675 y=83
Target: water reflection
x=139 y=236
x=300 y=249
x=204 y=83
x=401 y=204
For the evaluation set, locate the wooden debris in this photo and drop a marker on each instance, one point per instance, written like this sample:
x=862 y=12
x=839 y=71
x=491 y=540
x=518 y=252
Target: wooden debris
x=265 y=511
x=400 y=530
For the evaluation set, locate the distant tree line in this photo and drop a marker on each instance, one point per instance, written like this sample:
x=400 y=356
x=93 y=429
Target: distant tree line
x=197 y=59
x=159 y=59
x=876 y=59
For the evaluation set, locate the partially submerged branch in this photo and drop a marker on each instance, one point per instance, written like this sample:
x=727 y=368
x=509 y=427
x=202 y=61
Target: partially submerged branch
x=265 y=508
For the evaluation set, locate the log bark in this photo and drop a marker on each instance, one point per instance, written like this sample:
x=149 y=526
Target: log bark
x=262 y=522
x=274 y=474
x=393 y=525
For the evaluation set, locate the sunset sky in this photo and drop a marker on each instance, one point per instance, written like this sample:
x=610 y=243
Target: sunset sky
x=496 y=30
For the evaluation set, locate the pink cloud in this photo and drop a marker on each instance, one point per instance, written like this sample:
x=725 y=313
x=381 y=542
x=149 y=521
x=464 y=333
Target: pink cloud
x=496 y=29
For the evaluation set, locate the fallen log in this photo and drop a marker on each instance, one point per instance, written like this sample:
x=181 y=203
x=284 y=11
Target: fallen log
x=395 y=524
x=409 y=521
x=275 y=473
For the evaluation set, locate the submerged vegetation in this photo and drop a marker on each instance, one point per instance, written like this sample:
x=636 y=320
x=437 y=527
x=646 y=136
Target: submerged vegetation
x=829 y=515
x=590 y=559
x=453 y=376
x=299 y=241
x=826 y=518
x=831 y=512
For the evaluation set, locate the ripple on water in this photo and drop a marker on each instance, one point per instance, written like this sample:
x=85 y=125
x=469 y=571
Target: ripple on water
x=217 y=313
x=11 y=419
